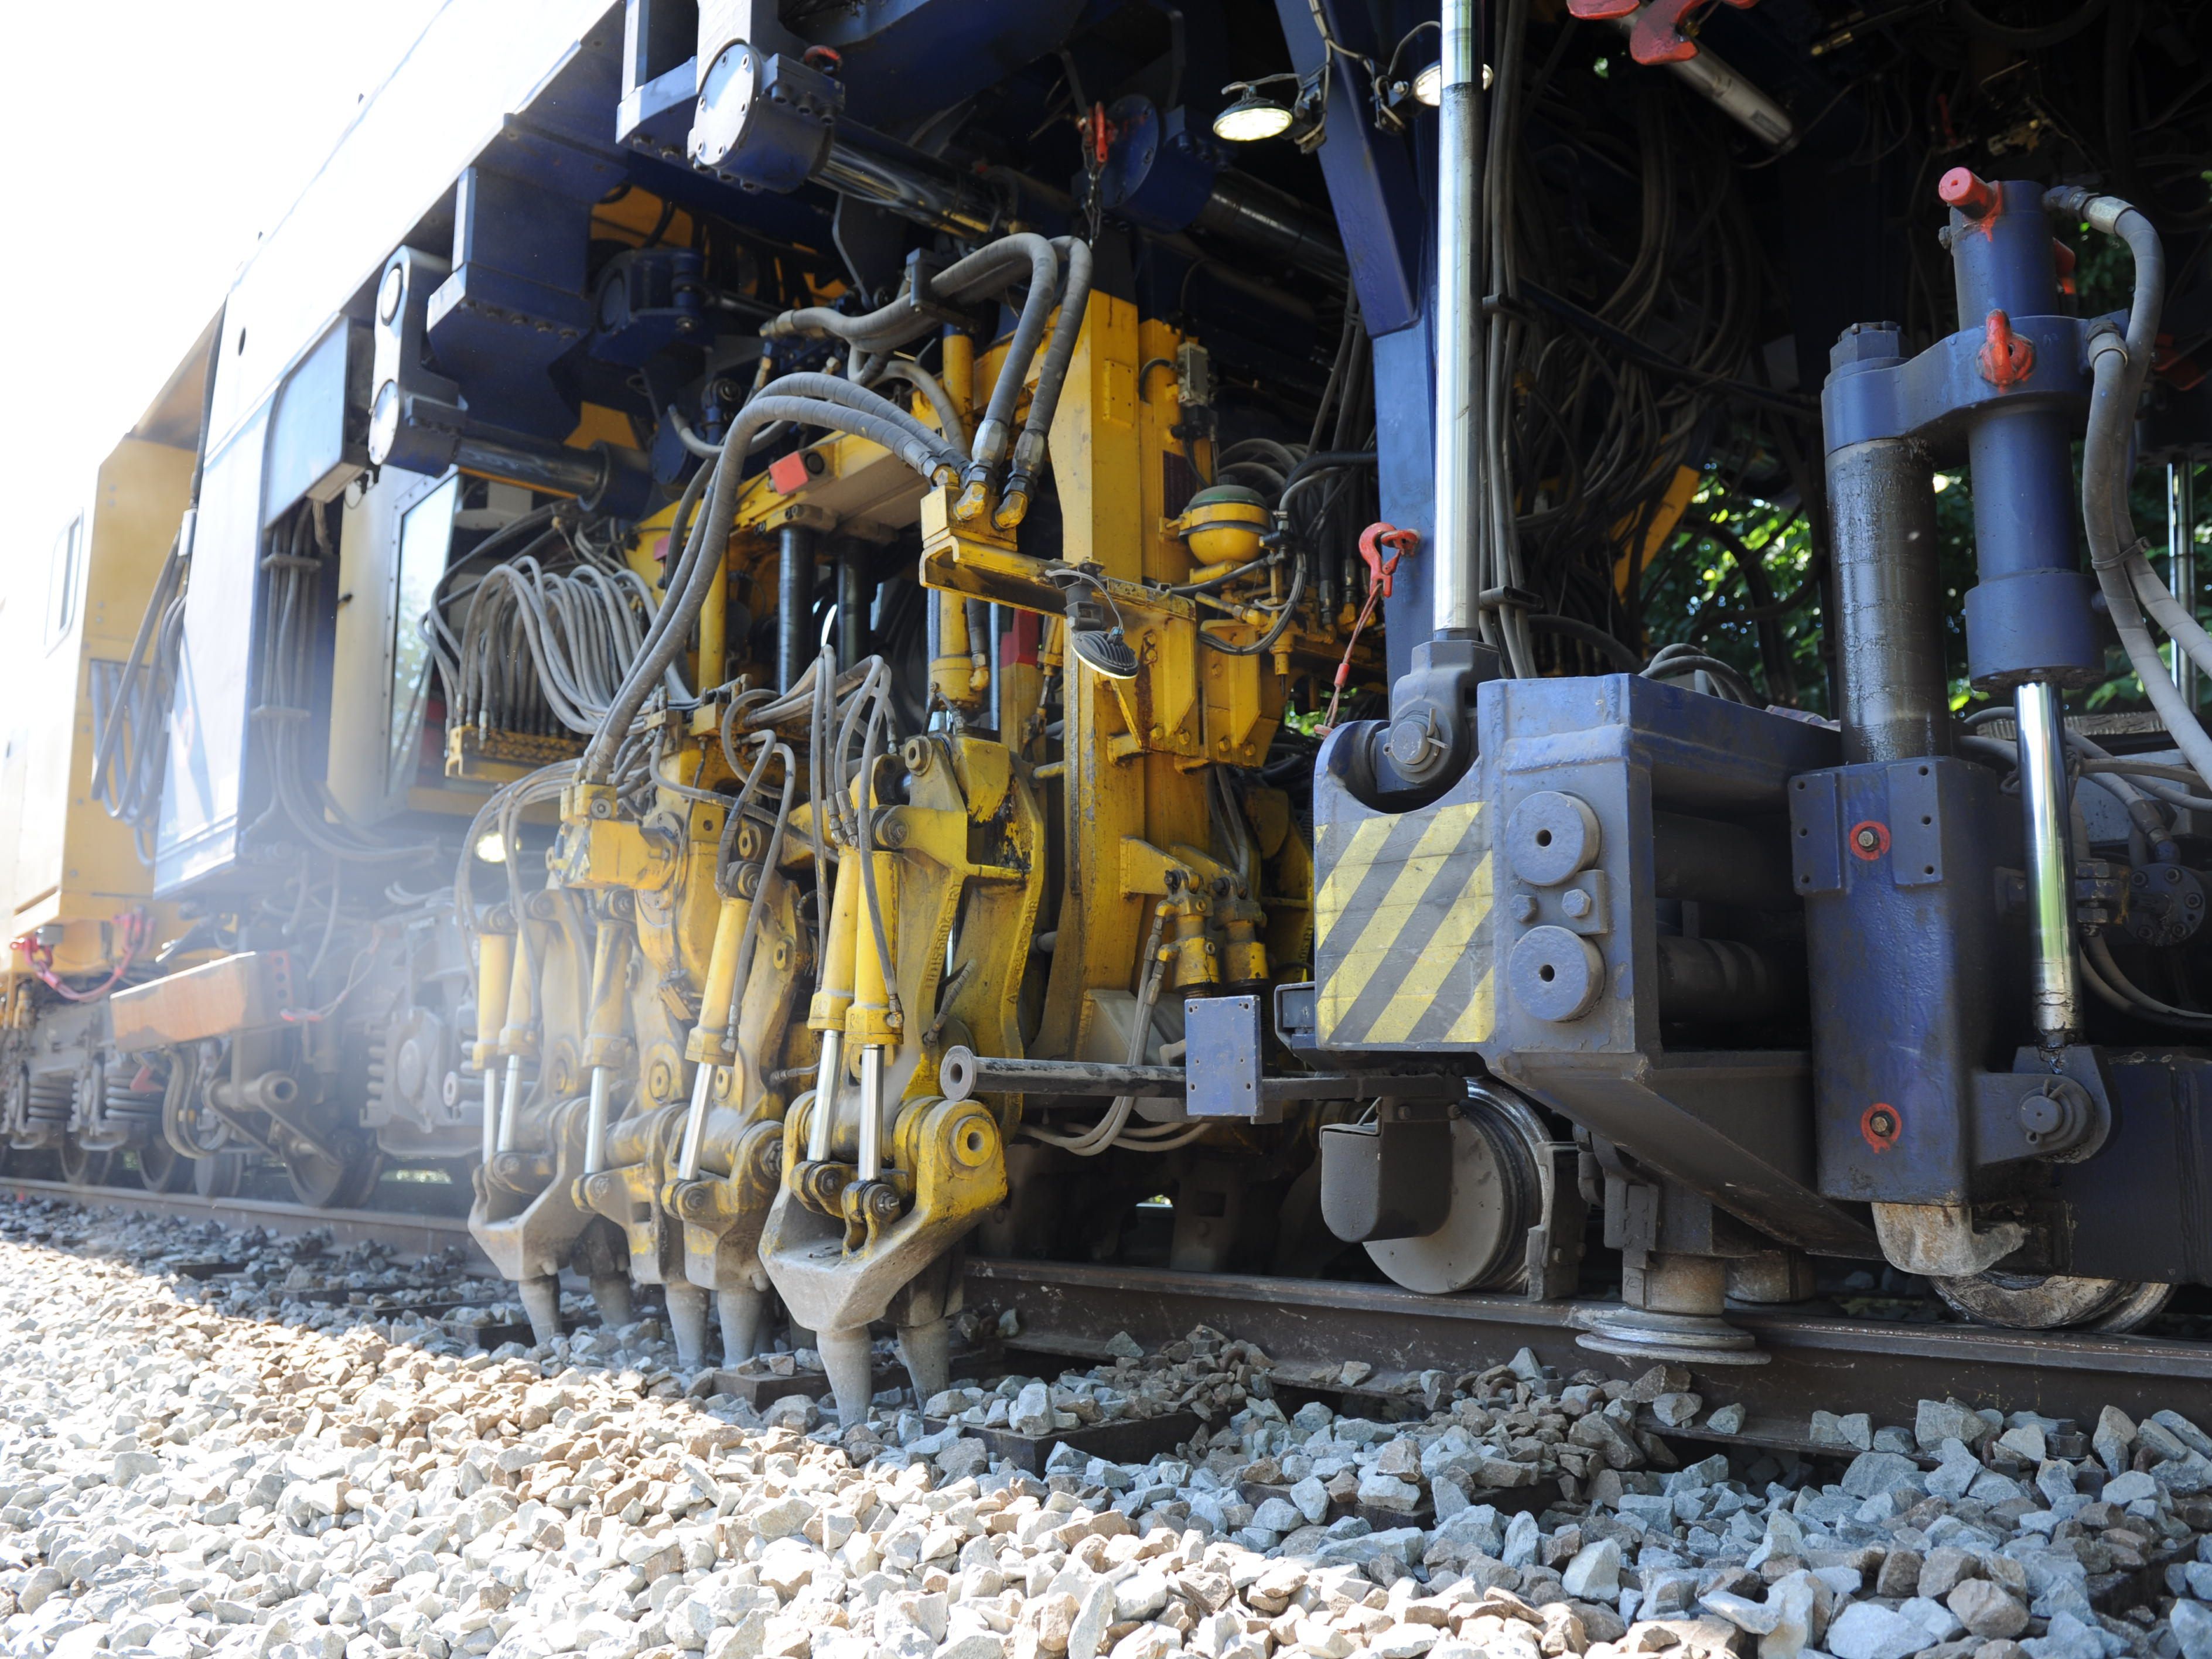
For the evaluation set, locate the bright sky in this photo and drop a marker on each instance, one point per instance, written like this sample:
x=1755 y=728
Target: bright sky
x=154 y=143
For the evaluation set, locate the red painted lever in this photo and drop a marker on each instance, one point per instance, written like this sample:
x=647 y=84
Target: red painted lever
x=1972 y=196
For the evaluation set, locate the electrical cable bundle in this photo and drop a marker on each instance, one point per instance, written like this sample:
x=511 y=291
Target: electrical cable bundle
x=1607 y=359
x=708 y=507
x=295 y=553
x=534 y=641
x=130 y=707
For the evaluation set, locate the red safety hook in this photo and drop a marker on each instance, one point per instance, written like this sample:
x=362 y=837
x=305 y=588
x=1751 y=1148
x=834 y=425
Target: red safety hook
x=1380 y=570
x=1372 y=540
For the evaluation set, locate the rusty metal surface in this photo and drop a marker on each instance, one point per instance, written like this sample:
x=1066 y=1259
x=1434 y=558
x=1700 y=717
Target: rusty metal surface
x=410 y=1234
x=233 y=993
x=1817 y=1362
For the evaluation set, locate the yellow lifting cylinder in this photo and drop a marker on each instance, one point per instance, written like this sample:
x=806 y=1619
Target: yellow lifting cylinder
x=494 y=971
x=952 y=669
x=826 y=1013
x=709 y=1043
x=713 y=625
x=605 y=1045
x=518 y=1037
x=868 y=1022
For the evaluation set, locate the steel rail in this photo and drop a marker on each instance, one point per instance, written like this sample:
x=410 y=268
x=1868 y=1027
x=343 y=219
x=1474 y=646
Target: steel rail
x=411 y=1234
x=1069 y=1310
x=1816 y=1361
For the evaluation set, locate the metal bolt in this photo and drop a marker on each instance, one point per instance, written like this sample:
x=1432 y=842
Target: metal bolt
x=1575 y=903
x=1867 y=837
x=1523 y=907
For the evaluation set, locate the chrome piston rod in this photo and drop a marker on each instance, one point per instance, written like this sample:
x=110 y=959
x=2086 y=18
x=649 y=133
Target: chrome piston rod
x=1460 y=376
x=2056 y=981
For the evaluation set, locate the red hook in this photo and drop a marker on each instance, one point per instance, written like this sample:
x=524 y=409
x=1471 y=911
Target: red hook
x=1373 y=539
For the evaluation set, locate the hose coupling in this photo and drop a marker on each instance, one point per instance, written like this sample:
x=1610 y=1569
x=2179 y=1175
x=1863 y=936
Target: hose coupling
x=2105 y=337
x=1014 y=501
x=2101 y=213
x=993 y=439
x=974 y=492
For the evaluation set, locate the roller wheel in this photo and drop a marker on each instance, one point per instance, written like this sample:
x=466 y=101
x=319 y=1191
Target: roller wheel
x=1498 y=1155
x=162 y=1168
x=2050 y=1302
x=81 y=1167
x=219 y=1175
x=344 y=1183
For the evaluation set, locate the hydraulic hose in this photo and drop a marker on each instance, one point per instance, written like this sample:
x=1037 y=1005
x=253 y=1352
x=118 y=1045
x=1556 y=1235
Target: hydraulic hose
x=833 y=389
x=995 y=433
x=1052 y=375
x=1266 y=642
x=2117 y=367
x=941 y=401
x=703 y=551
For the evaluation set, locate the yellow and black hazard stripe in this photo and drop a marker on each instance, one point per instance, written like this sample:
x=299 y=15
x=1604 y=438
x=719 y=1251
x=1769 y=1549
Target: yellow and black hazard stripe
x=1402 y=912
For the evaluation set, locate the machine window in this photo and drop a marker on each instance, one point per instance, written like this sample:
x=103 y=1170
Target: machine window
x=63 y=579
x=426 y=536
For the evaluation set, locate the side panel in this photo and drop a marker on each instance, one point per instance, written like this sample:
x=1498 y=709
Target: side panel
x=375 y=628
x=477 y=61
x=72 y=862
x=202 y=784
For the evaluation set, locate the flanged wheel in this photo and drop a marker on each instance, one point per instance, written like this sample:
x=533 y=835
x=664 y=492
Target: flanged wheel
x=25 y=1162
x=219 y=1175
x=342 y=1183
x=1499 y=1166
x=162 y=1168
x=81 y=1167
x=2050 y=1302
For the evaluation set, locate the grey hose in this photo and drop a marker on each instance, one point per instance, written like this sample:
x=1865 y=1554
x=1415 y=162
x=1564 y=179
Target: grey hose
x=993 y=435
x=903 y=321
x=831 y=389
x=948 y=414
x=703 y=550
x=2117 y=367
x=1052 y=376
x=705 y=448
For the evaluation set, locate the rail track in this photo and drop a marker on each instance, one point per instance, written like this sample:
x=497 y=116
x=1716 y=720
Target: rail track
x=411 y=1233
x=1068 y=1311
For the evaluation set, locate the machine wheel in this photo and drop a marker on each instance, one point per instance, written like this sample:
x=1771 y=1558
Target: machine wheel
x=162 y=1168
x=219 y=1175
x=81 y=1167
x=1497 y=1196
x=25 y=1163
x=2050 y=1302
x=344 y=1184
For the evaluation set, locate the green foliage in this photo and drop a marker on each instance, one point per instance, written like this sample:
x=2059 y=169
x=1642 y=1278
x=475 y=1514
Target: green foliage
x=1695 y=584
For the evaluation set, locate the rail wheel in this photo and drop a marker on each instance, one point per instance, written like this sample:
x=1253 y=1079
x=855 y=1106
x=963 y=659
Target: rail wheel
x=1499 y=1167
x=342 y=1183
x=25 y=1163
x=162 y=1168
x=82 y=1167
x=2050 y=1302
x=219 y=1175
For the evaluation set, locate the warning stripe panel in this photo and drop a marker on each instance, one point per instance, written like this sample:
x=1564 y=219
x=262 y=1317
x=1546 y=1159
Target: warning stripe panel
x=1402 y=913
